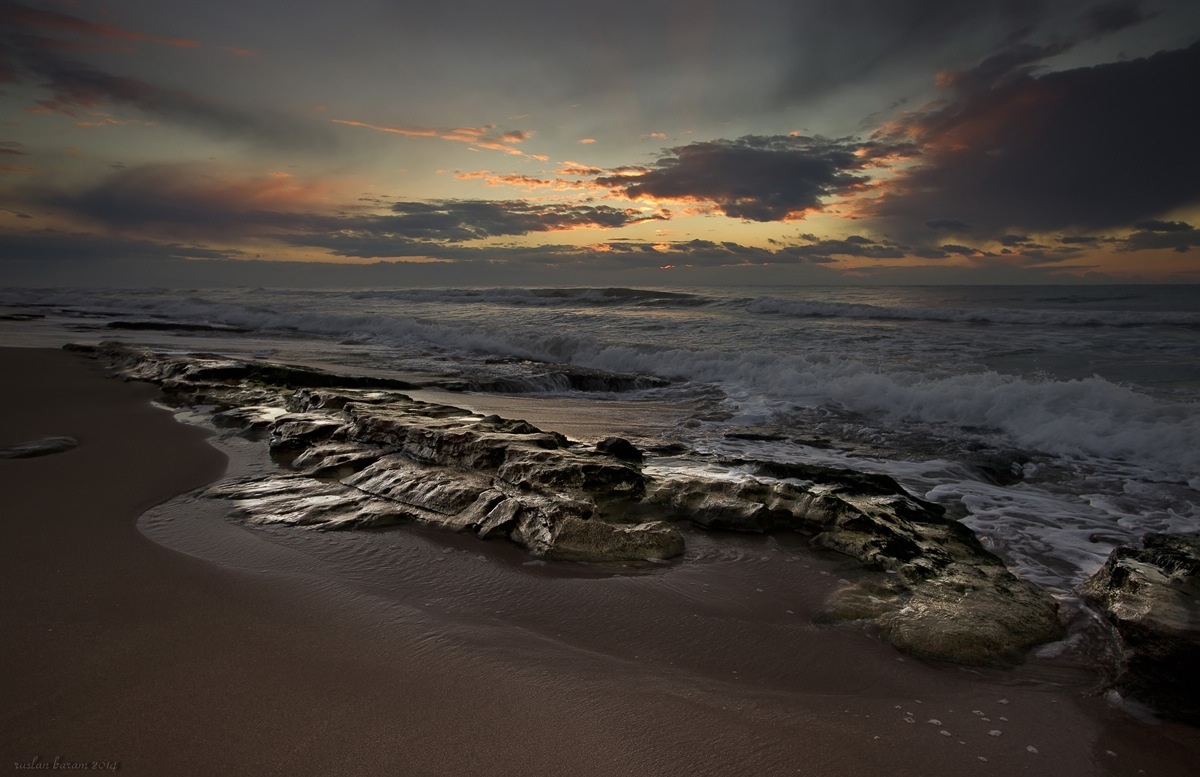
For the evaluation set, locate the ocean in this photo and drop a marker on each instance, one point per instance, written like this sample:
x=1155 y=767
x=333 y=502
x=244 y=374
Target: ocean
x=1056 y=421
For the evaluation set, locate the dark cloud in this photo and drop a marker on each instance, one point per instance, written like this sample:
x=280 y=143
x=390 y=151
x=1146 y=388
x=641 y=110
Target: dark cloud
x=954 y=248
x=952 y=225
x=458 y=220
x=854 y=246
x=1154 y=225
x=1096 y=147
x=76 y=88
x=191 y=200
x=893 y=39
x=54 y=245
x=186 y=199
x=1158 y=235
x=1114 y=16
x=754 y=177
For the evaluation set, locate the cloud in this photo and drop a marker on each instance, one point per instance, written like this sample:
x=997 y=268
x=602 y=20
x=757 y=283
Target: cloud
x=575 y=168
x=1155 y=225
x=854 y=246
x=460 y=220
x=55 y=245
x=522 y=181
x=207 y=203
x=894 y=39
x=76 y=88
x=27 y=18
x=951 y=225
x=192 y=200
x=1177 y=236
x=1088 y=148
x=486 y=136
x=1114 y=16
x=755 y=178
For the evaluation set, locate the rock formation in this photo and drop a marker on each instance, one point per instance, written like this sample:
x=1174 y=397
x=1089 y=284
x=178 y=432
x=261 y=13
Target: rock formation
x=1151 y=596
x=43 y=447
x=358 y=453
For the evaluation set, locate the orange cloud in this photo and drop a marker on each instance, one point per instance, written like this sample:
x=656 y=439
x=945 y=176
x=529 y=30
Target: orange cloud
x=524 y=181
x=575 y=168
x=587 y=141
x=478 y=137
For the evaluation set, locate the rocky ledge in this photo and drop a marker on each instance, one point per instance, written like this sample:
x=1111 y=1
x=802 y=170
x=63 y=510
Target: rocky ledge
x=1151 y=596
x=356 y=453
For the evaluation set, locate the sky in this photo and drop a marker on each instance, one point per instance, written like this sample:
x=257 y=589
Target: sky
x=658 y=142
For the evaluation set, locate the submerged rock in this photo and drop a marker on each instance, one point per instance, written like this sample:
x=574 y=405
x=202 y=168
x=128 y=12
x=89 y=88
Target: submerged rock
x=43 y=447
x=1151 y=596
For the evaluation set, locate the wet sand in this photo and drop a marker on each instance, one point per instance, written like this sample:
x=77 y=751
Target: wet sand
x=407 y=653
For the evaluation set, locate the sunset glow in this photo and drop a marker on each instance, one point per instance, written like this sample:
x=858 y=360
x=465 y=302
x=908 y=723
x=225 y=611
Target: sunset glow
x=147 y=125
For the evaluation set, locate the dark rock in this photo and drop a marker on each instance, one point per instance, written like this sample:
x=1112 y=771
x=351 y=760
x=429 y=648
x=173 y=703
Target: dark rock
x=254 y=420
x=296 y=432
x=295 y=500
x=1151 y=595
x=756 y=436
x=999 y=469
x=173 y=326
x=621 y=449
x=565 y=378
x=574 y=539
x=208 y=368
x=43 y=447
x=937 y=593
x=335 y=460
x=369 y=457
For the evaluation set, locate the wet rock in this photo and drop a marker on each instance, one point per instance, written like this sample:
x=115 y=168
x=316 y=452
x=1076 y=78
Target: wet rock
x=295 y=432
x=999 y=468
x=621 y=449
x=253 y=420
x=295 y=500
x=931 y=589
x=365 y=456
x=174 y=326
x=574 y=539
x=208 y=368
x=566 y=378
x=1151 y=596
x=603 y=477
x=43 y=447
x=335 y=460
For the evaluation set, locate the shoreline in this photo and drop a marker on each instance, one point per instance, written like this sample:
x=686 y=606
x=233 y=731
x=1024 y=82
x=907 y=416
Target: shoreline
x=123 y=650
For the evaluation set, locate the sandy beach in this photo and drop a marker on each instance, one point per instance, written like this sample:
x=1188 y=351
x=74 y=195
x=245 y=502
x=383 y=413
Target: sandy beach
x=119 y=650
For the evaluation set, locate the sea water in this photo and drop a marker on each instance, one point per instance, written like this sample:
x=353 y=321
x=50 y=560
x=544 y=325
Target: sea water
x=1056 y=421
